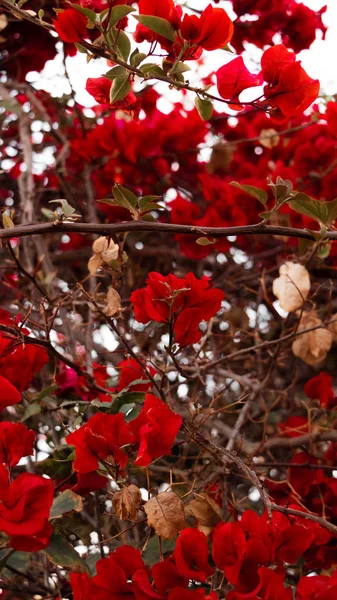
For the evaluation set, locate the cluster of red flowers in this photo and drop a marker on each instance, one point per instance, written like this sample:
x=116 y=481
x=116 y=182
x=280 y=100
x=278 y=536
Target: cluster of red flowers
x=105 y=437
x=182 y=302
x=25 y=502
x=18 y=364
x=244 y=550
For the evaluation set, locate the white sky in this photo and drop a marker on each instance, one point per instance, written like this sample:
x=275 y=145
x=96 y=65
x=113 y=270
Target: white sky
x=319 y=61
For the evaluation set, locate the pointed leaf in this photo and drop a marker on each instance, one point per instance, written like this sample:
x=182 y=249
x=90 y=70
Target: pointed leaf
x=157 y=25
x=256 y=192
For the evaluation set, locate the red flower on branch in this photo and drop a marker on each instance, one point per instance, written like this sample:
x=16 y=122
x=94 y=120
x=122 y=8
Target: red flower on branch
x=289 y=90
x=191 y=555
x=100 y=439
x=71 y=25
x=154 y=429
x=186 y=302
x=212 y=30
x=24 y=510
x=130 y=371
x=16 y=441
x=233 y=78
x=319 y=388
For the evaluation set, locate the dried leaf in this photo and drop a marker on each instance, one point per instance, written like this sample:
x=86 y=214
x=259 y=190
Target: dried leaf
x=165 y=513
x=206 y=511
x=105 y=251
x=313 y=346
x=269 y=138
x=127 y=502
x=113 y=302
x=3 y=21
x=94 y=263
x=292 y=286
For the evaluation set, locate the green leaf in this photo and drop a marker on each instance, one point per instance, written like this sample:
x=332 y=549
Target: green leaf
x=204 y=108
x=119 y=89
x=61 y=553
x=281 y=189
x=81 y=48
x=151 y=69
x=64 y=503
x=90 y=14
x=123 y=45
x=116 y=72
x=122 y=194
x=137 y=57
x=119 y=12
x=144 y=201
x=332 y=211
x=310 y=207
x=180 y=67
x=204 y=241
x=158 y=25
x=121 y=399
x=66 y=208
x=45 y=392
x=31 y=410
x=256 y=192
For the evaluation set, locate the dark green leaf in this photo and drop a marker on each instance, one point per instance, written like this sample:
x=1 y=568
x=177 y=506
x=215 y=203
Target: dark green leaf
x=31 y=410
x=66 y=502
x=151 y=69
x=119 y=12
x=137 y=57
x=123 y=45
x=119 y=89
x=204 y=108
x=158 y=25
x=310 y=207
x=61 y=553
x=116 y=72
x=256 y=192
x=144 y=201
x=121 y=193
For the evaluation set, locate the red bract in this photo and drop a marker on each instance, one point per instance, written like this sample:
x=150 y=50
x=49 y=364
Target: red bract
x=16 y=441
x=191 y=555
x=331 y=117
x=24 y=510
x=112 y=580
x=101 y=438
x=130 y=371
x=289 y=90
x=212 y=30
x=99 y=88
x=18 y=364
x=9 y=395
x=183 y=594
x=71 y=25
x=233 y=78
x=318 y=587
x=154 y=429
x=186 y=302
x=80 y=586
x=319 y=388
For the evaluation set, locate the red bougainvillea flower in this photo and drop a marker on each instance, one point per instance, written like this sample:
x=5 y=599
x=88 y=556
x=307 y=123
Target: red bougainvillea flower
x=212 y=30
x=187 y=301
x=154 y=429
x=89 y=482
x=24 y=509
x=166 y=577
x=289 y=90
x=165 y=9
x=113 y=574
x=100 y=438
x=130 y=371
x=16 y=441
x=80 y=586
x=331 y=117
x=20 y=364
x=71 y=25
x=233 y=78
x=318 y=587
x=319 y=388
x=9 y=395
x=191 y=555
x=99 y=88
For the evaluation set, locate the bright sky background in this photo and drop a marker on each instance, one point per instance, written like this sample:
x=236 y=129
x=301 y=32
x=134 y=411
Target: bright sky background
x=319 y=61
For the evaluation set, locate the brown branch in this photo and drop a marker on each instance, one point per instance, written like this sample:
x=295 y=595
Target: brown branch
x=109 y=229
x=301 y=440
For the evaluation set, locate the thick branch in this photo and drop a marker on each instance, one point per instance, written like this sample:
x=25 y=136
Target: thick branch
x=140 y=226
